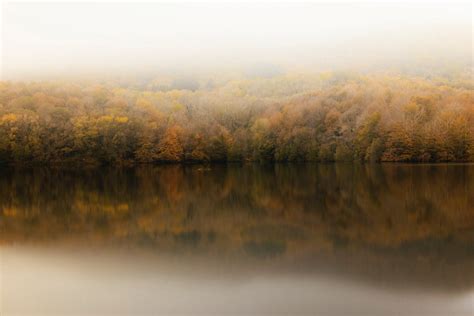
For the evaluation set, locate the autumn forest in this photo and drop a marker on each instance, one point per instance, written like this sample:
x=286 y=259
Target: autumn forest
x=283 y=117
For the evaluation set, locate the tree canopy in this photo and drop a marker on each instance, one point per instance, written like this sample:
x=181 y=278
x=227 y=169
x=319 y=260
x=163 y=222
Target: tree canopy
x=288 y=117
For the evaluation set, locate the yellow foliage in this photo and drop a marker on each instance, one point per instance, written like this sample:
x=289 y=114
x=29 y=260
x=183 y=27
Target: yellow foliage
x=292 y=117
x=177 y=107
x=10 y=212
x=121 y=119
x=9 y=118
x=143 y=103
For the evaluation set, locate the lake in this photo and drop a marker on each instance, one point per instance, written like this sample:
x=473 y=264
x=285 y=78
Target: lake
x=251 y=239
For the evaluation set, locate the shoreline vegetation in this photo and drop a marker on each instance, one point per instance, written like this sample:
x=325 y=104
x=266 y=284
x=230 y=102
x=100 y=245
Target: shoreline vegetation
x=321 y=117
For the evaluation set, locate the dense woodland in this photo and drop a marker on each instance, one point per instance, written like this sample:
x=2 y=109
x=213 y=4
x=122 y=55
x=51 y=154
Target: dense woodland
x=286 y=117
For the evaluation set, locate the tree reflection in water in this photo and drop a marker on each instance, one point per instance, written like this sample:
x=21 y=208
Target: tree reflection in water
x=392 y=224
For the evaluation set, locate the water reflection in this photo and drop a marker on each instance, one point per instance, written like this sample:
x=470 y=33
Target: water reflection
x=397 y=227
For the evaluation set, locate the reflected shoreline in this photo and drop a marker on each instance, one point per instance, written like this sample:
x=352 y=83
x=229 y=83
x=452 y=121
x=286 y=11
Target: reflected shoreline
x=395 y=225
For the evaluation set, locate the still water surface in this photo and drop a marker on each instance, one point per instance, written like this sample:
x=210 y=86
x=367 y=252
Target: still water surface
x=308 y=239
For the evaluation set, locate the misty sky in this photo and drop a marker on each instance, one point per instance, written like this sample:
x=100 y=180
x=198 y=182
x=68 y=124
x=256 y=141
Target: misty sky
x=39 y=39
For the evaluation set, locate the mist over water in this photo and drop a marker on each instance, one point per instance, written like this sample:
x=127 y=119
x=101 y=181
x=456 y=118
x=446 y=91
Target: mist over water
x=255 y=239
x=225 y=158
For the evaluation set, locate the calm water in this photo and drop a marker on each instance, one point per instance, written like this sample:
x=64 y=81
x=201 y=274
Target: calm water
x=309 y=239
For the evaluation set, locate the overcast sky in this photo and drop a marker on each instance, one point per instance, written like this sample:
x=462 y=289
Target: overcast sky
x=39 y=39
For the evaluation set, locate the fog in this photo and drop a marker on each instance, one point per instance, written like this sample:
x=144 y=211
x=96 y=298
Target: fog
x=67 y=39
x=44 y=282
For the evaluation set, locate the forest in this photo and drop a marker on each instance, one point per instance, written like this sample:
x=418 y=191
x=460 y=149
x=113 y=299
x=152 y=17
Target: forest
x=329 y=116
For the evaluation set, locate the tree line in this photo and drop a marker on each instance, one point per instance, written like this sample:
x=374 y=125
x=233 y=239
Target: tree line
x=289 y=117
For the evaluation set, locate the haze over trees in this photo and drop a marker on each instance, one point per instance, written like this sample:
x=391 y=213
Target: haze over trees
x=284 y=117
x=370 y=81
